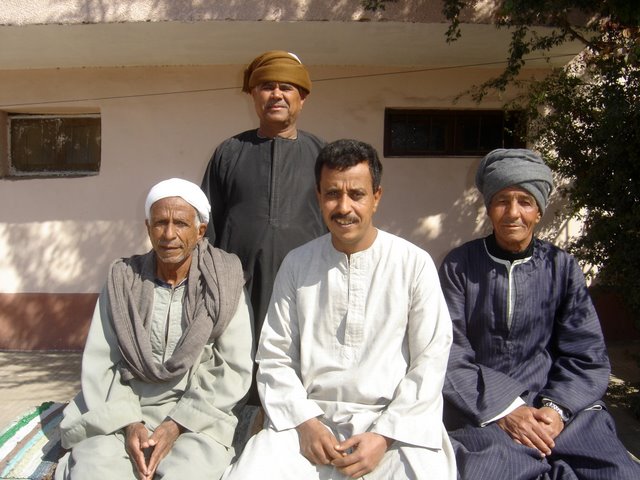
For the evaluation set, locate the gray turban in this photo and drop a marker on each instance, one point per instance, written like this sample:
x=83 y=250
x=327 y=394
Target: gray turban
x=177 y=187
x=514 y=167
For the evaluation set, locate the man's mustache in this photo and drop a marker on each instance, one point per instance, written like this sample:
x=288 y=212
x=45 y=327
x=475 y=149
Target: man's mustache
x=348 y=218
x=277 y=104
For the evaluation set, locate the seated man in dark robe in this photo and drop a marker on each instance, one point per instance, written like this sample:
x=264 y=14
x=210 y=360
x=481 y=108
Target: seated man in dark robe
x=528 y=364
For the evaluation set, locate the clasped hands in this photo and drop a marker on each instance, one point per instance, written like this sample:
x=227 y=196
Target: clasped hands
x=146 y=451
x=533 y=427
x=354 y=457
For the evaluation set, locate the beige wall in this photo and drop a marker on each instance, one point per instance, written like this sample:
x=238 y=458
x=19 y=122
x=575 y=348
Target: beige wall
x=165 y=75
x=58 y=235
x=24 y=12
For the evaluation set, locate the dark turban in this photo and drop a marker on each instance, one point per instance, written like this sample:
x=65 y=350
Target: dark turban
x=522 y=168
x=276 y=66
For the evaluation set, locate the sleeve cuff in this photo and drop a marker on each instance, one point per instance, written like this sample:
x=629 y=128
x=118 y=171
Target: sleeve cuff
x=515 y=404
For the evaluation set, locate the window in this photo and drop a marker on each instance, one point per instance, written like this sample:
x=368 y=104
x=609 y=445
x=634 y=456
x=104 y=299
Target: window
x=422 y=133
x=53 y=145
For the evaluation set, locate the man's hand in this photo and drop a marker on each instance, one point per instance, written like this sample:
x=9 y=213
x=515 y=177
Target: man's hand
x=161 y=441
x=143 y=448
x=551 y=421
x=136 y=442
x=317 y=443
x=366 y=451
x=530 y=427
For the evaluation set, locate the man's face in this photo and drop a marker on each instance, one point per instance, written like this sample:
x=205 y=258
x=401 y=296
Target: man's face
x=173 y=230
x=277 y=103
x=348 y=202
x=514 y=214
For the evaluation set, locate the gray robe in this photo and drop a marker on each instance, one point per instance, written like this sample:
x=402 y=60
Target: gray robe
x=199 y=401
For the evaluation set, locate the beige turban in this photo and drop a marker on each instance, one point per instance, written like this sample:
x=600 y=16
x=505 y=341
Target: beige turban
x=276 y=66
x=177 y=187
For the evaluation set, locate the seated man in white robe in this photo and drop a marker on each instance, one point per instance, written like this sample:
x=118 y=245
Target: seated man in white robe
x=168 y=357
x=353 y=352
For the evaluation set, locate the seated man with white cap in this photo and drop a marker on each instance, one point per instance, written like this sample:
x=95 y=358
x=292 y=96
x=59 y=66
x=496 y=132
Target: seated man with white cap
x=168 y=356
x=528 y=365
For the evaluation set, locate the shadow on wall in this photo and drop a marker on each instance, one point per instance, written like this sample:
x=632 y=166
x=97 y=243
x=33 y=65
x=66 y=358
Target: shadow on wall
x=195 y=10
x=433 y=202
x=45 y=321
x=65 y=256
x=57 y=268
x=466 y=219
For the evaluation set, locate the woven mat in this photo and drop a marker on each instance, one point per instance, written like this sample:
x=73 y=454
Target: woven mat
x=30 y=447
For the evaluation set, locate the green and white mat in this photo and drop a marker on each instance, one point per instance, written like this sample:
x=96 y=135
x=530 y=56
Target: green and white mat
x=30 y=446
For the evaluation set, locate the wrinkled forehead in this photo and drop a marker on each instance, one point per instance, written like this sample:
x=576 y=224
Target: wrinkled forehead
x=358 y=174
x=513 y=190
x=272 y=83
x=174 y=203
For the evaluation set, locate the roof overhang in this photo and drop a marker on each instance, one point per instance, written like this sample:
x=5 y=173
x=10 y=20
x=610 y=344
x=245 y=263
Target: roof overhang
x=237 y=42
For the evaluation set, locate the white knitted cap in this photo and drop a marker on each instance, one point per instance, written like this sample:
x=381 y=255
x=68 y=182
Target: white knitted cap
x=177 y=187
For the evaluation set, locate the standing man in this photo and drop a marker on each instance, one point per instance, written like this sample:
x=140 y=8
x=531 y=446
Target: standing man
x=168 y=356
x=260 y=182
x=354 y=348
x=528 y=364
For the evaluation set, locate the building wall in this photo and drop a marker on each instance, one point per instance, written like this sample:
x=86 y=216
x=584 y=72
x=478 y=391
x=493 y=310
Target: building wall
x=25 y=12
x=59 y=235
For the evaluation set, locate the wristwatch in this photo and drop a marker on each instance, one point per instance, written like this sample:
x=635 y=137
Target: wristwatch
x=556 y=408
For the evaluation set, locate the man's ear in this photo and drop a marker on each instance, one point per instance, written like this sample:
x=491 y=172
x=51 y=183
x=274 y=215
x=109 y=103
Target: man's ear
x=202 y=229
x=376 y=198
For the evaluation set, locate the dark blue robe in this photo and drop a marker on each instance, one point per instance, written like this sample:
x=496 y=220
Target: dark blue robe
x=551 y=348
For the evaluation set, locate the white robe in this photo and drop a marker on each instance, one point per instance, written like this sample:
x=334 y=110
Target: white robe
x=361 y=342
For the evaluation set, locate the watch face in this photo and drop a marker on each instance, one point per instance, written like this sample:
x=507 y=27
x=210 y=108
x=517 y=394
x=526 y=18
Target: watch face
x=557 y=409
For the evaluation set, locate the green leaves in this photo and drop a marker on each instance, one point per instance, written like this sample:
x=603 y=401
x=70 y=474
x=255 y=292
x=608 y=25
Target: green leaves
x=584 y=119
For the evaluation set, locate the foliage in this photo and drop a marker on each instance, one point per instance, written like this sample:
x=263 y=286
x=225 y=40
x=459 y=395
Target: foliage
x=624 y=395
x=584 y=118
x=589 y=131
x=606 y=29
